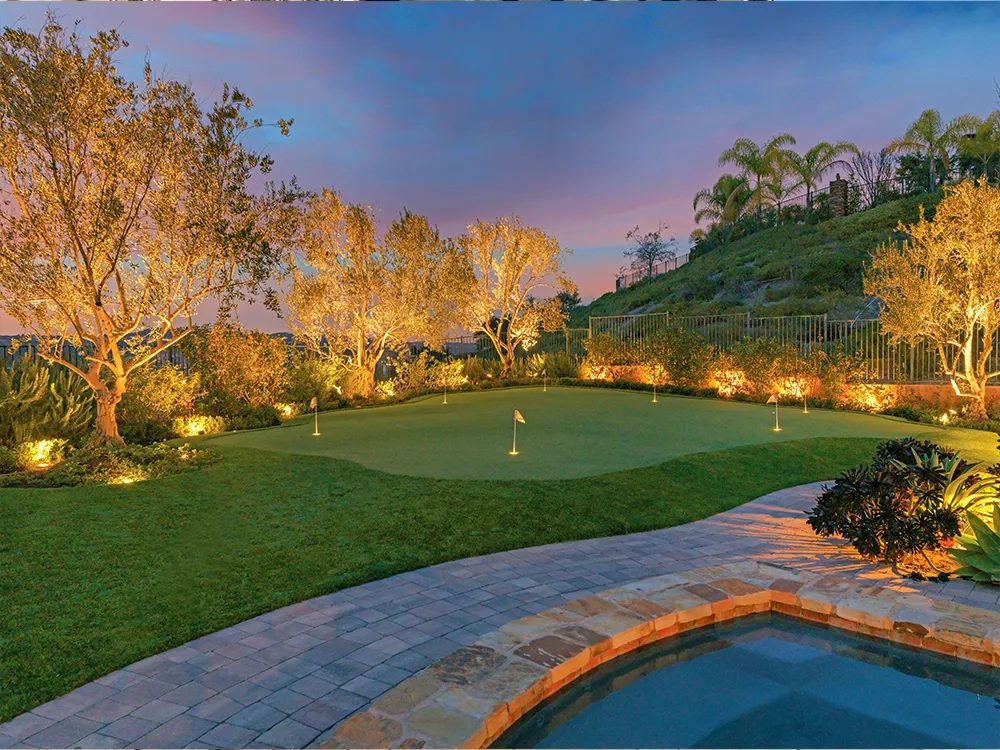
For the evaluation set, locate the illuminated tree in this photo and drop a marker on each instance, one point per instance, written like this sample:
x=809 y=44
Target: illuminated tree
x=943 y=283
x=355 y=295
x=511 y=264
x=123 y=206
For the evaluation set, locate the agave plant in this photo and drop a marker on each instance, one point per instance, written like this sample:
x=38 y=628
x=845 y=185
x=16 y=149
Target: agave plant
x=950 y=482
x=980 y=553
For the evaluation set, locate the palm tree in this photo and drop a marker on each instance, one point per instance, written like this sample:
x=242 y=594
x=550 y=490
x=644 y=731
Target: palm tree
x=984 y=142
x=724 y=203
x=758 y=162
x=930 y=136
x=810 y=167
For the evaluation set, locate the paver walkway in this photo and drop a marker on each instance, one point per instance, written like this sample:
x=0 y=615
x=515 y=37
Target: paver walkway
x=286 y=678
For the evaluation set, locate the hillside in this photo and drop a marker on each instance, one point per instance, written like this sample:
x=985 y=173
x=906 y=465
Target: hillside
x=787 y=270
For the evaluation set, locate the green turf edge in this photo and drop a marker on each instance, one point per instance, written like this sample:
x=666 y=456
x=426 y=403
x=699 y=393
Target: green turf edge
x=100 y=577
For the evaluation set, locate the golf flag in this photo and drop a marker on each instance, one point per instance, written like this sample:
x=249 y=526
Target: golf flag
x=312 y=404
x=518 y=417
x=773 y=400
x=543 y=373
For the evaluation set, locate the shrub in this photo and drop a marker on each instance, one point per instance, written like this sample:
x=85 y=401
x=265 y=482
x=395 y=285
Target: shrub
x=312 y=376
x=679 y=357
x=198 y=424
x=556 y=365
x=113 y=465
x=39 y=402
x=159 y=394
x=253 y=418
x=426 y=372
x=238 y=368
x=156 y=397
x=894 y=507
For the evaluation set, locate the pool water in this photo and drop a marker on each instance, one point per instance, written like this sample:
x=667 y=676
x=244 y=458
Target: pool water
x=771 y=681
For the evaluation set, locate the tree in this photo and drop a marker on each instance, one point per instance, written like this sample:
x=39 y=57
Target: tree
x=809 y=168
x=983 y=145
x=871 y=173
x=757 y=162
x=724 y=204
x=355 y=295
x=509 y=264
x=930 y=136
x=943 y=283
x=648 y=249
x=124 y=206
x=569 y=301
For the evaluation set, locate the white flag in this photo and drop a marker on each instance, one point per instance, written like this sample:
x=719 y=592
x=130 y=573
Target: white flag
x=773 y=400
x=518 y=417
x=312 y=404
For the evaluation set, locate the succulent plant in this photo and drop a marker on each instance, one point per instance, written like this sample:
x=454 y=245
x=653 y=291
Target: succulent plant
x=980 y=553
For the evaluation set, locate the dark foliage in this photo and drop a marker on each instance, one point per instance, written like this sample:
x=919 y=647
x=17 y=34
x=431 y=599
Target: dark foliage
x=892 y=508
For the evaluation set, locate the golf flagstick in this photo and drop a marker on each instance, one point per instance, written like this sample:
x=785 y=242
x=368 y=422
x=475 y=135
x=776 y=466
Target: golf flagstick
x=774 y=400
x=545 y=381
x=446 y=391
x=315 y=405
x=517 y=418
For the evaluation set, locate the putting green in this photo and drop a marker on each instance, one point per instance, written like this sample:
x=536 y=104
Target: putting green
x=568 y=432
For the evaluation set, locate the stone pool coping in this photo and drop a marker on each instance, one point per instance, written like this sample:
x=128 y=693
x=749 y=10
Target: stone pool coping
x=472 y=696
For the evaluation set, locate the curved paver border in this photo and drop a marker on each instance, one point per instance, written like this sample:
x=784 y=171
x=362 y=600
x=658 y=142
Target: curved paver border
x=472 y=696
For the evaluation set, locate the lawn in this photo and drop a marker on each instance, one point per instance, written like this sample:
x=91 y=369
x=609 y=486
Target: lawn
x=568 y=432
x=95 y=578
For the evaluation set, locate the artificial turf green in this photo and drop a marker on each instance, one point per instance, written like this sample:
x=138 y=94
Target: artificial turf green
x=568 y=432
x=97 y=577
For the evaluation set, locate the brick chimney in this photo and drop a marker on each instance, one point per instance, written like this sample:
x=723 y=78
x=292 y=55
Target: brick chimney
x=838 y=196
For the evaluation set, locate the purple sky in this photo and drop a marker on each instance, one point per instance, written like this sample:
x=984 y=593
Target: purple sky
x=585 y=119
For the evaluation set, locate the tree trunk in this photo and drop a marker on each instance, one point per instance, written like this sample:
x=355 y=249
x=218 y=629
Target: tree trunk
x=976 y=408
x=933 y=181
x=507 y=362
x=106 y=426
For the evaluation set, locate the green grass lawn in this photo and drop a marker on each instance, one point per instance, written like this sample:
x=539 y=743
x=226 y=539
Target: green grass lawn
x=97 y=577
x=569 y=432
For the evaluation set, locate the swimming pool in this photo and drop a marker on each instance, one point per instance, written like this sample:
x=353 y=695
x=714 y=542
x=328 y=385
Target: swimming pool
x=771 y=681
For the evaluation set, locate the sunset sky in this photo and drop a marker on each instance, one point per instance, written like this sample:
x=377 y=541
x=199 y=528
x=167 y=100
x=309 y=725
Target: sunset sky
x=584 y=119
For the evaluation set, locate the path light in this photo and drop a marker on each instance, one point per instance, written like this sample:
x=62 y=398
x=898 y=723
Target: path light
x=774 y=400
x=946 y=417
x=517 y=418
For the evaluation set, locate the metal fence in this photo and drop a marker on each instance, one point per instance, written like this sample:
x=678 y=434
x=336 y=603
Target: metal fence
x=670 y=264
x=73 y=355
x=568 y=341
x=883 y=359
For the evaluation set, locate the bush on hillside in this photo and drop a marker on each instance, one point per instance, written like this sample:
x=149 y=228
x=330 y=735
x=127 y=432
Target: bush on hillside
x=39 y=402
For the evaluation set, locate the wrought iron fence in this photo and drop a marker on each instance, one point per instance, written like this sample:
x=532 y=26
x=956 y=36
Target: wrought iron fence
x=883 y=359
x=73 y=355
x=568 y=341
x=670 y=264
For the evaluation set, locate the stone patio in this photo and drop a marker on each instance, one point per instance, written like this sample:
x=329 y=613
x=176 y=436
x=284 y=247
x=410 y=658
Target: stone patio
x=472 y=696
x=288 y=678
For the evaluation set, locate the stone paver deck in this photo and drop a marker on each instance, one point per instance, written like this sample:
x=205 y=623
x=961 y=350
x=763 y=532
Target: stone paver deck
x=287 y=678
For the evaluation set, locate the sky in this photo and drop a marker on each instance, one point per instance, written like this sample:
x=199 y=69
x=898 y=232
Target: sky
x=585 y=119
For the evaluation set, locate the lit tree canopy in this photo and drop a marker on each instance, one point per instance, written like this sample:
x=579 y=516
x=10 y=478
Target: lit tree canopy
x=354 y=294
x=124 y=206
x=943 y=283
x=511 y=264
